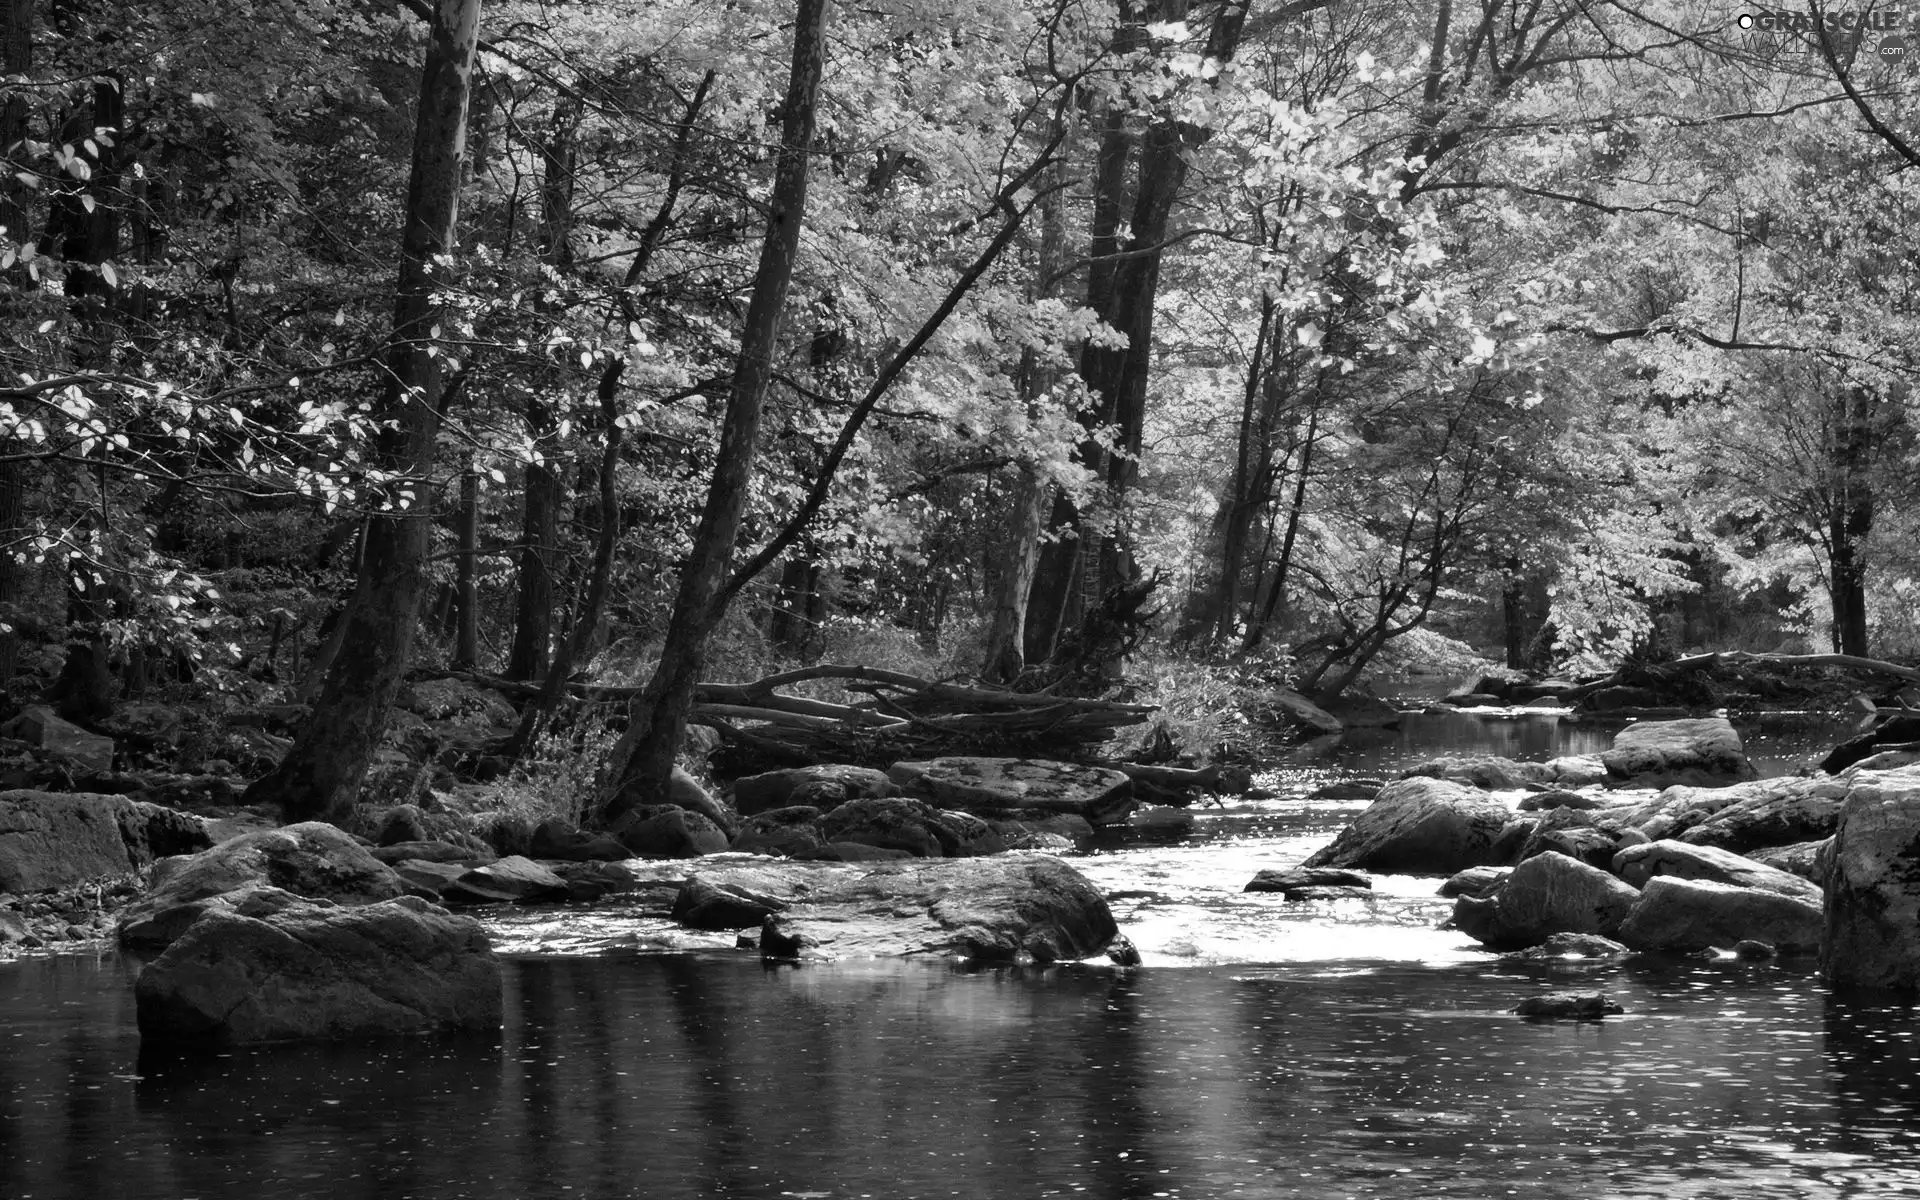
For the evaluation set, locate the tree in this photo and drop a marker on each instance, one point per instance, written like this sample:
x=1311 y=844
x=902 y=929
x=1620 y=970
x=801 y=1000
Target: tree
x=320 y=775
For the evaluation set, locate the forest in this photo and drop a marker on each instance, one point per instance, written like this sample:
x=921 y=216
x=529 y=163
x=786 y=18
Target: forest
x=1072 y=347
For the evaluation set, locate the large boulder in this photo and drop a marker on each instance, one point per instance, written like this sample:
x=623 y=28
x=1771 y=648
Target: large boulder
x=1703 y=752
x=821 y=787
x=1423 y=827
x=1547 y=894
x=312 y=859
x=999 y=909
x=1683 y=915
x=51 y=839
x=317 y=970
x=1873 y=885
x=993 y=785
x=1638 y=864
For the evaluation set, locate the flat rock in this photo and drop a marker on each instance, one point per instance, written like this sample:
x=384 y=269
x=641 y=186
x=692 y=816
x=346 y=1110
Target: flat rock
x=1681 y=915
x=439 y=852
x=1474 y=881
x=1873 y=885
x=1349 y=789
x=1302 y=895
x=1703 y=752
x=1296 y=878
x=1100 y=794
x=1001 y=908
x=1574 y=946
x=1547 y=801
x=1485 y=771
x=513 y=880
x=1163 y=819
x=1547 y=894
x=311 y=859
x=1638 y=864
x=1422 y=826
x=320 y=971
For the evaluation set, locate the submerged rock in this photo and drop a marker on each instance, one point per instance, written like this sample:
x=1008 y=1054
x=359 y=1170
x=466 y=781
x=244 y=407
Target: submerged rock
x=1574 y=945
x=1575 y=1006
x=1001 y=908
x=1308 y=877
x=1873 y=886
x=1703 y=752
x=1681 y=915
x=311 y=859
x=1547 y=894
x=1422 y=826
x=1100 y=794
x=312 y=970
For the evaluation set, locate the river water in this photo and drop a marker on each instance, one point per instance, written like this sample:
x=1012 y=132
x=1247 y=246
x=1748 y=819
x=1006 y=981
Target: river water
x=1263 y=1050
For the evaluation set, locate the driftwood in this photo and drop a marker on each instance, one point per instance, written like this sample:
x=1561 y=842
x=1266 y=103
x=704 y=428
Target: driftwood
x=904 y=717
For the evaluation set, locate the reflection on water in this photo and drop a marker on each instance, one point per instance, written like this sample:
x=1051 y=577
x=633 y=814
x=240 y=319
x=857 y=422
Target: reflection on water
x=680 y=1076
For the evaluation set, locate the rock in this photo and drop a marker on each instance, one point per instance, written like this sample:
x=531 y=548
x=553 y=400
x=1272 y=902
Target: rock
x=668 y=831
x=313 y=860
x=438 y=852
x=1892 y=731
x=39 y=726
x=1303 y=895
x=1121 y=951
x=823 y=788
x=1547 y=894
x=1576 y=833
x=1752 y=951
x=427 y=878
x=1354 y=789
x=511 y=880
x=781 y=833
x=1573 y=945
x=1357 y=708
x=1873 y=885
x=1078 y=831
x=464 y=706
x=1619 y=698
x=857 y=852
x=147 y=726
x=557 y=839
x=1681 y=915
x=1474 y=881
x=1744 y=817
x=1576 y=1006
x=1704 y=752
x=316 y=970
x=402 y=823
x=1163 y=820
x=1638 y=864
x=1485 y=771
x=704 y=904
x=1047 y=843
x=898 y=823
x=1577 y=770
x=1474 y=700
x=1421 y=827
x=1808 y=860
x=1283 y=705
x=1308 y=877
x=684 y=791
x=1547 y=801
x=1100 y=794
x=51 y=839
x=1002 y=908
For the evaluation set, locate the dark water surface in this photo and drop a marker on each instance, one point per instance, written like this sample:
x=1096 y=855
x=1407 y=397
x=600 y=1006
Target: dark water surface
x=688 y=1076
x=1332 y=1049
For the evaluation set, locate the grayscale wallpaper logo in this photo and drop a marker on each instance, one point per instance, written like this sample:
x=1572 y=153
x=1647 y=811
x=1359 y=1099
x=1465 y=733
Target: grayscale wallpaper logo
x=1879 y=33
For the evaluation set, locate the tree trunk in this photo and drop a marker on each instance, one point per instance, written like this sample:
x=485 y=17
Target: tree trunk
x=533 y=620
x=642 y=761
x=320 y=776
x=1277 y=588
x=466 y=595
x=1851 y=509
x=16 y=57
x=798 y=607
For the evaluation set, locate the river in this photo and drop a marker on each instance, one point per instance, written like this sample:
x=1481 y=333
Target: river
x=1263 y=1050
